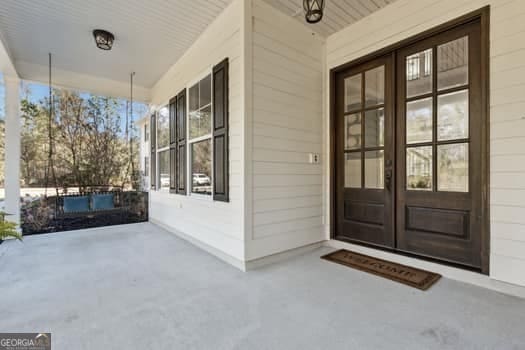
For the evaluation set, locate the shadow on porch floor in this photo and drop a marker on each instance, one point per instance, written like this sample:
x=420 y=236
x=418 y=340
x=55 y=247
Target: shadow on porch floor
x=140 y=287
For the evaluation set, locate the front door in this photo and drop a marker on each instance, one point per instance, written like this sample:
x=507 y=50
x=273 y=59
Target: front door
x=365 y=153
x=408 y=133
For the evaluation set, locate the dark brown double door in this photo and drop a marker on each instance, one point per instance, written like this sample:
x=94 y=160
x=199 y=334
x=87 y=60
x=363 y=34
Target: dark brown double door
x=408 y=133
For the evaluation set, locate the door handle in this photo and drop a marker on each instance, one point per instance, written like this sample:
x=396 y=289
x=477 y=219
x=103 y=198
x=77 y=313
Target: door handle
x=388 y=179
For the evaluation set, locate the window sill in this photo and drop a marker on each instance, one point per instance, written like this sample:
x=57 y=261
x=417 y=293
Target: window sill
x=201 y=197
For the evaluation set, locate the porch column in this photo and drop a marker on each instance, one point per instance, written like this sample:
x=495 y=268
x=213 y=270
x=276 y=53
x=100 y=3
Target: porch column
x=12 y=148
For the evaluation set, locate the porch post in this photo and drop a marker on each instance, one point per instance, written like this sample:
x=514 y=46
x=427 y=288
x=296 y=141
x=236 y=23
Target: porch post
x=12 y=148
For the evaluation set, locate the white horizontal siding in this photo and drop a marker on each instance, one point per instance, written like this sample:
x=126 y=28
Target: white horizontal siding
x=508 y=269
x=287 y=126
x=405 y=18
x=215 y=224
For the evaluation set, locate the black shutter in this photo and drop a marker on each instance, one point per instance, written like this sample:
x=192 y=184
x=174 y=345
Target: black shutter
x=173 y=144
x=181 y=142
x=153 y=144
x=220 y=132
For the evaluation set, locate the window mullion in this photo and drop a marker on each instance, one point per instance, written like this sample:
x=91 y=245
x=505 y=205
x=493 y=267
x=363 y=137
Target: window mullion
x=434 y=118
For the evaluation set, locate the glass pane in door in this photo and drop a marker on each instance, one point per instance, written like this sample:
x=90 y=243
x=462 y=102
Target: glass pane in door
x=375 y=128
x=419 y=73
x=452 y=61
x=353 y=93
x=374 y=169
x=453 y=118
x=375 y=86
x=419 y=168
x=453 y=167
x=353 y=170
x=419 y=121
x=352 y=131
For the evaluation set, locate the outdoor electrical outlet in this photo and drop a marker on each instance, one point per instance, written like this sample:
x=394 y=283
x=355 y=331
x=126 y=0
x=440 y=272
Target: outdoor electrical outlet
x=314 y=158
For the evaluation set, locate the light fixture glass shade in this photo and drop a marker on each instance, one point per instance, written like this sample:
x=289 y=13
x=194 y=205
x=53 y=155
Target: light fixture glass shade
x=313 y=10
x=103 y=39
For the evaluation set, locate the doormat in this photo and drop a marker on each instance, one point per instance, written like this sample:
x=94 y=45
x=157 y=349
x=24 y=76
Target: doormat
x=410 y=276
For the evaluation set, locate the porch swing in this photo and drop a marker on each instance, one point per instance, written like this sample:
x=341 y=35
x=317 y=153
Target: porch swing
x=106 y=203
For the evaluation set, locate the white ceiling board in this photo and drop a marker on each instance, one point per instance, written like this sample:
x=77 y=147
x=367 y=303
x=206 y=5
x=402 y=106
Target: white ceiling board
x=338 y=13
x=150 y=36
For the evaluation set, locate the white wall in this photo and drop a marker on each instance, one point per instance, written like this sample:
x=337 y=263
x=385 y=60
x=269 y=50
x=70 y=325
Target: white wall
x=214 y=224
x=276 y=89
x=405 y=18
x=286 y=125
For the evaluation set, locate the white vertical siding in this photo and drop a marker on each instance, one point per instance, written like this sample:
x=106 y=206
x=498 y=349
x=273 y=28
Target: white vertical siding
x=287 y=126
x=215 y=224
x=405 y=18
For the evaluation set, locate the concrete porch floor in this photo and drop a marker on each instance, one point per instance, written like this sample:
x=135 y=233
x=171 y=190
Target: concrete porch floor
x=140 y=287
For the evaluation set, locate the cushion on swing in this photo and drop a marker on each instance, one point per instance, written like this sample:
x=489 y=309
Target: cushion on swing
x=76 y=204
x=102 y=201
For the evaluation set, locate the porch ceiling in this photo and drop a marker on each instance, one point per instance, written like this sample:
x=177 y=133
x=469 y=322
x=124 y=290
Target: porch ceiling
x=338 y=13
x=150 y=36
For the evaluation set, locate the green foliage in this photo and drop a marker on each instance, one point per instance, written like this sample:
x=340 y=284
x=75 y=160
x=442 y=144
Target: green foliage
x=8 y=229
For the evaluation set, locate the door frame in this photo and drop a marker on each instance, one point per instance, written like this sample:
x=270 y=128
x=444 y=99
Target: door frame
x=483 y=15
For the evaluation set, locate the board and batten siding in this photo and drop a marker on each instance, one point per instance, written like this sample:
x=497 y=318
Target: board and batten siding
x=217 y=225
x=287 y=73
x=405 y=18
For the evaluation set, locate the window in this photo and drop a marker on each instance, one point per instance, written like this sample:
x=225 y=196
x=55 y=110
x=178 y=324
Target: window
x=146 y=132
x=200 y=135
x=163 y=142
x=189 y=139
x=164 y=169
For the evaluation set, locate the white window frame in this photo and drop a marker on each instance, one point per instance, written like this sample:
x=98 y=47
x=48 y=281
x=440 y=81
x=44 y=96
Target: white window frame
x=158 y=150
x=190 y=142
x=147 y=165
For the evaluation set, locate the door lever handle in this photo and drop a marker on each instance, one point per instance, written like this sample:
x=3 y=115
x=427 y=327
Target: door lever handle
x=388 y=179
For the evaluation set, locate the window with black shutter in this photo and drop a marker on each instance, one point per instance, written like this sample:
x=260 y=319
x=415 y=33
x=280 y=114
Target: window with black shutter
x=204 y=111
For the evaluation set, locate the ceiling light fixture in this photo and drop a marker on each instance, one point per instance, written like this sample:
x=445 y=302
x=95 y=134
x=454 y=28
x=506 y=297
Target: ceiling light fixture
x=313 y=10
x=103 y=39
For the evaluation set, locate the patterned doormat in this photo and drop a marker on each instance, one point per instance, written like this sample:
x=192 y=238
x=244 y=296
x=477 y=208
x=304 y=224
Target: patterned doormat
x=410 y=276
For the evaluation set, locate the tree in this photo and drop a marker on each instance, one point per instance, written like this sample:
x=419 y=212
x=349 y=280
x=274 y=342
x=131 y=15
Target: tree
x=88 y=143
x=33 y=140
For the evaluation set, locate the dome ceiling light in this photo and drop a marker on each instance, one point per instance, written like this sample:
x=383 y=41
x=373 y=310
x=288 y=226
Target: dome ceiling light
x=103 y=39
